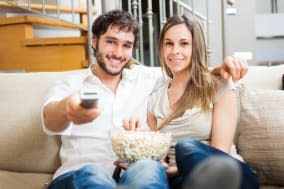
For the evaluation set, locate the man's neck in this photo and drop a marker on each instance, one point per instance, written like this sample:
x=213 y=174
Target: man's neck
x=110 y=81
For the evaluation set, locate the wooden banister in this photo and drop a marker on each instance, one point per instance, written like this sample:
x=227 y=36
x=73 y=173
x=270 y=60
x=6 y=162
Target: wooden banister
x=56 y=41
x=51 y=8
x=40 y=20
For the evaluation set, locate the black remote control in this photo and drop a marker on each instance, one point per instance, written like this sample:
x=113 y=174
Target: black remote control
x=89 y=99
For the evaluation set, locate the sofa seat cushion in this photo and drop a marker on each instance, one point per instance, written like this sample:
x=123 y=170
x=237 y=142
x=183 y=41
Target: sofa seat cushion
x=261 y=133
x=24 y=180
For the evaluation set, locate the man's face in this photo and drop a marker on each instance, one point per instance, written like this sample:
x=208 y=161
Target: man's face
x=114 y=49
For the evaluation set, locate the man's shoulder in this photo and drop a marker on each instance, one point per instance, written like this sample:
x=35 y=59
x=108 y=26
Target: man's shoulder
x=146 y=70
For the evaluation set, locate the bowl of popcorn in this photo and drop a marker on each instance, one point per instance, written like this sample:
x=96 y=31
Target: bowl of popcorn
x=131 y=146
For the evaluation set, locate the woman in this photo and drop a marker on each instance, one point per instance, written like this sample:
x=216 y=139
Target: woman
x=198 y=108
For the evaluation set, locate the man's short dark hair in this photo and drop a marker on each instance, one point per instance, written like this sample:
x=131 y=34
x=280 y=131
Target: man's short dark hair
x=123 y=19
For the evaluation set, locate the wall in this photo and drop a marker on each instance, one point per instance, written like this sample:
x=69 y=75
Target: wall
x=215 y=32
x=239 y=28
x=269 y=33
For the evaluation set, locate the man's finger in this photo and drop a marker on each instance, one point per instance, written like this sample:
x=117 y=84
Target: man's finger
x=244 y=68
x=138 y=124
x=133 y=124
x=237 y=67
x=230 y=65
x=126 y=125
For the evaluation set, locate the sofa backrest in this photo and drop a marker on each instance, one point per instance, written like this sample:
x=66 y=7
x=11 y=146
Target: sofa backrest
x=24 y=147
x=260 y=138
x=264 y=77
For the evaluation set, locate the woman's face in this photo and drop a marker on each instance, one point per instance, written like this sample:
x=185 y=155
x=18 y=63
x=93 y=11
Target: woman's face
x=177 y=48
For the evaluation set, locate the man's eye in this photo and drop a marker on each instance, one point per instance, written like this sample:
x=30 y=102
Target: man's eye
x=109 y=41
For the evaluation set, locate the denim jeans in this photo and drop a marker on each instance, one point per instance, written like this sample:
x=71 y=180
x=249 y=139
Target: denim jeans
x=144 y=174
x=190 y=153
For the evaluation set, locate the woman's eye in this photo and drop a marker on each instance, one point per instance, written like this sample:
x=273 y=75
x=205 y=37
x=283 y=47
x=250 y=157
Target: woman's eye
x=127 y=46
x=168 y=43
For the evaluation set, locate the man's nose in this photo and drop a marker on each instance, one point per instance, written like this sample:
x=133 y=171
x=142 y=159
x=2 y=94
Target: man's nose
x=117 y=51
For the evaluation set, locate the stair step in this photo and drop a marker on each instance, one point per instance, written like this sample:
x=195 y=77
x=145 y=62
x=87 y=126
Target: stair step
x=28 y=19
x=55 y=41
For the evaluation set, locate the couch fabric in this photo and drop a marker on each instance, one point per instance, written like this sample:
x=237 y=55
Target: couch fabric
x=28 y=157
x=262 y=120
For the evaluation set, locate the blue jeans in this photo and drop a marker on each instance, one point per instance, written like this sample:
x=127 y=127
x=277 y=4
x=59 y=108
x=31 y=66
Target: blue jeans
x=144 y=174
x=190 y=153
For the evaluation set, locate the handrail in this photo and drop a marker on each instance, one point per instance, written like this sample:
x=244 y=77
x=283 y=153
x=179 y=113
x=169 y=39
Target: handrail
x=40 y=9
x=36 y=6
x=189 y=8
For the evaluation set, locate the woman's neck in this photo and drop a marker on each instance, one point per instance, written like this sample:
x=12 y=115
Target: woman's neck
x=176 y=88
x=180 y=80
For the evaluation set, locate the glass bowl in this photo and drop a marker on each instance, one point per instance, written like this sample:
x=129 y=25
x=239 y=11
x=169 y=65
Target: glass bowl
x=131 y=146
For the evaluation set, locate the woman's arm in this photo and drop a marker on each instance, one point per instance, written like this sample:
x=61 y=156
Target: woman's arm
x=224 y=122
x=152 y=121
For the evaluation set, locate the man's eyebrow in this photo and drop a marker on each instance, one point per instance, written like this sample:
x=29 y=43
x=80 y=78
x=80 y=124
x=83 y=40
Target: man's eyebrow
x=116 y=39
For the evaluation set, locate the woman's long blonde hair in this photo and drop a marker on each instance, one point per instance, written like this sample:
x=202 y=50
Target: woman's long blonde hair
x=200 y=88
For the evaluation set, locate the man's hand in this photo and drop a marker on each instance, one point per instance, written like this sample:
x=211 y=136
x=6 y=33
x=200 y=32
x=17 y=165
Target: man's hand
x=232 y=67
x=77 y=113
x=132 y=124
x=58 y=114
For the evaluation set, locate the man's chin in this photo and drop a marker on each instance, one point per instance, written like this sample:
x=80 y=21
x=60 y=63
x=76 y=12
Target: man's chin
x=114 y=72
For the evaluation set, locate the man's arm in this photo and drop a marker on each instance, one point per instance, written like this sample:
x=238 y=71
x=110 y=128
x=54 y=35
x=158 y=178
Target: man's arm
x=58 y=115
x=232 y=66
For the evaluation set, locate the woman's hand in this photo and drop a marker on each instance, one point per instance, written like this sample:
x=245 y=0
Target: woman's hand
x=171 y=171
x=121 y=164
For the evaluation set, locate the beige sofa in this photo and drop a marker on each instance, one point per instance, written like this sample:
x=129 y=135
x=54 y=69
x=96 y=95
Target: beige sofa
x=28 y=158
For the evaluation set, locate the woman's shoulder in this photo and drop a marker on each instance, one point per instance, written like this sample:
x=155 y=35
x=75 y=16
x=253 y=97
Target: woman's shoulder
x=162 y=89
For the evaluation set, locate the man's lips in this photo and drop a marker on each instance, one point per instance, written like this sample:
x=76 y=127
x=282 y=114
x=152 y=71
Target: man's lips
x=114 y=61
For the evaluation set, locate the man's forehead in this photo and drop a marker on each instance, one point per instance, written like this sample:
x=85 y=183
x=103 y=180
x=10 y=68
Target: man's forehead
x=120 y=33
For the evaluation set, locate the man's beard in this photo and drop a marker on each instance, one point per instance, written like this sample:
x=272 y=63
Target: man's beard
x=102 y=64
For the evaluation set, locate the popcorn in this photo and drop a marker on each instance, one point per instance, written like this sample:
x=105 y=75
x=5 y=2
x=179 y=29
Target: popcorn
x=131 y=146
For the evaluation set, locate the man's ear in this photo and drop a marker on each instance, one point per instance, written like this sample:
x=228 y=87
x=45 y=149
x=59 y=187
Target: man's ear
x=94 y=43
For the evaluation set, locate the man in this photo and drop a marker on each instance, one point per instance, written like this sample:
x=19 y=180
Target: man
x=86 y=152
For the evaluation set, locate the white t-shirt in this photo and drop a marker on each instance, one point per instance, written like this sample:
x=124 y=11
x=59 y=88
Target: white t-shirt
x=90 y=143
x=194 y=123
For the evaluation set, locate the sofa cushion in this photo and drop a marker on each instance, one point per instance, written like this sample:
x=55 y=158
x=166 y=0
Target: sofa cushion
x=261 y=133
x=283 y=82
x=264 y=77
x=24 y=147
x=24 y=180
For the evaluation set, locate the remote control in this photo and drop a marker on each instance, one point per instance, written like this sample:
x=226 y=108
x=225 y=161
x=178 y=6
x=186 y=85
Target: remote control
x=89 y=99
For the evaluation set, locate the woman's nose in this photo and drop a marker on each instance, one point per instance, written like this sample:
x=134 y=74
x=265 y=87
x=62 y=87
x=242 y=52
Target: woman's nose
x=176 y=49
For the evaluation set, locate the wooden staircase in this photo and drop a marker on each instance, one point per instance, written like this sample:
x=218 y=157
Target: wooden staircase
x=20 y=50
